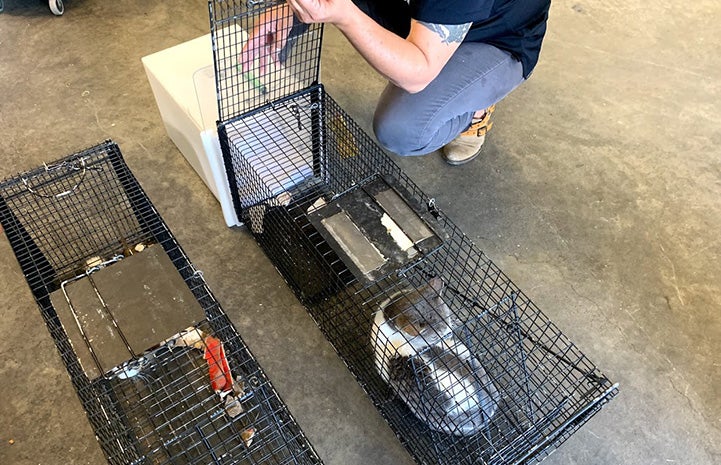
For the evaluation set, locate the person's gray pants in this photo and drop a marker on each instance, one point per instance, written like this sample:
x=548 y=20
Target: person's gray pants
x=477 y=76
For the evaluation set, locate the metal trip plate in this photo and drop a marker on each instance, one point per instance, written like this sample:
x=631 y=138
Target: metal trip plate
x=376 y=228
x=145 y=296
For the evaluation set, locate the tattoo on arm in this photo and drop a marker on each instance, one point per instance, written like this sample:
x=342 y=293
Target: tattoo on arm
x=449 y=33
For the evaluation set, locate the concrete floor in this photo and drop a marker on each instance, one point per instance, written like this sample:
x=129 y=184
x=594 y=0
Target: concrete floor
x=599 y=194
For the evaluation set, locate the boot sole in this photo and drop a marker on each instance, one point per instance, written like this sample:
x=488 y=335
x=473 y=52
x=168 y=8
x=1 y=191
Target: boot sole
x=462 y=162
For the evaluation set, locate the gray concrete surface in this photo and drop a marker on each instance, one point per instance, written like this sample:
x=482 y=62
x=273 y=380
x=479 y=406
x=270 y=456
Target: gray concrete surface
x=599 y=194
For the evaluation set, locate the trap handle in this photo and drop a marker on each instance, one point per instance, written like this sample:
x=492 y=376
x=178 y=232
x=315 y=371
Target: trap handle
x=78 y=165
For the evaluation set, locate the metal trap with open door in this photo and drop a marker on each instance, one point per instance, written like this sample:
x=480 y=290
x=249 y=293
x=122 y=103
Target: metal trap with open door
x=462 y=365
x=159 y=369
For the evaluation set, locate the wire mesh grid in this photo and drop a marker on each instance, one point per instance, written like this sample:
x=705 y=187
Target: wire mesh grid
x=198 y=396
x=261 y=53
x=464 y=367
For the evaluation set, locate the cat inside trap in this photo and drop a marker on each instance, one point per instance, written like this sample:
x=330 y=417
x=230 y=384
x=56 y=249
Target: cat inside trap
x=419 y=354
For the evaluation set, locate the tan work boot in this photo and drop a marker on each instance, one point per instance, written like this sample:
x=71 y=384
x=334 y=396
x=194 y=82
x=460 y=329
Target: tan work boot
x=467 y=145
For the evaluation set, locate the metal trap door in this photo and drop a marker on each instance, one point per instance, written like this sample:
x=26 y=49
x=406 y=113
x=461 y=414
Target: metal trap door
x=278 y=68
x=59 y=215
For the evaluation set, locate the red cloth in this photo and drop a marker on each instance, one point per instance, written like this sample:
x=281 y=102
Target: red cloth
x=220 y=377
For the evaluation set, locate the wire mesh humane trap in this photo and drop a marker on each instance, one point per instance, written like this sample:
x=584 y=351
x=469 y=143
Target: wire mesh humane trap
x=462 y=365
x=160 y=370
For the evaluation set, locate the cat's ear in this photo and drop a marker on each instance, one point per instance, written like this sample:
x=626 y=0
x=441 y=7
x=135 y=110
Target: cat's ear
x=436 y=284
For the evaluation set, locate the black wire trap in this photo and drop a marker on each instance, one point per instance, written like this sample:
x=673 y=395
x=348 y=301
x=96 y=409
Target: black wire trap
x=161 y=372
x=463 y=366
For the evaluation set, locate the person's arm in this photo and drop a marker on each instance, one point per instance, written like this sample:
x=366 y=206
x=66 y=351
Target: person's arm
x=410 y=63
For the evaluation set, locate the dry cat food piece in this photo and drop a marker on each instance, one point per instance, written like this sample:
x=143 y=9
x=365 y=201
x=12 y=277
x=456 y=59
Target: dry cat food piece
x=247 y=436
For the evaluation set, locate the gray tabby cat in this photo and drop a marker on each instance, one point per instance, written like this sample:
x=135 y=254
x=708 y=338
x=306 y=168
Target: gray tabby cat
x=427 y=366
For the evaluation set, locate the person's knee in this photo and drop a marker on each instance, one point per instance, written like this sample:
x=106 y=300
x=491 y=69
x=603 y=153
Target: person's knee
x=396 y=135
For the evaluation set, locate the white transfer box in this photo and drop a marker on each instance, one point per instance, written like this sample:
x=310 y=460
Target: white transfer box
x=183 y=82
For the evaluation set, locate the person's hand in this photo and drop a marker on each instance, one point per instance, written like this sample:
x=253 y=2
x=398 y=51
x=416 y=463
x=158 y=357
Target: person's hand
x=320 y=11
x=267 y=38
